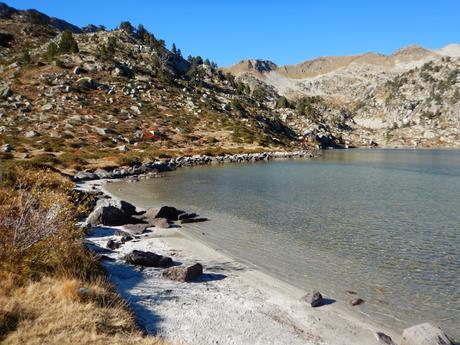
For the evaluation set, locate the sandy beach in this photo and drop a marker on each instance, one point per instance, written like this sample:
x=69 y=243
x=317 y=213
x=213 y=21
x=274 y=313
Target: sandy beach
x=230 y=304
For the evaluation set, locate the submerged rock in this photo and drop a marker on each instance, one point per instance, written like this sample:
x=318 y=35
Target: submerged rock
x=424 y=334
x=193 y=220
x=357 y=301
x=314 y=298
x=183 y=274
x=149 y=259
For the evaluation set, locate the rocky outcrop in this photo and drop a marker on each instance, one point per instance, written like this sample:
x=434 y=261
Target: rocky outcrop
x=183 y=274
x=425 y=334
x=148 y=259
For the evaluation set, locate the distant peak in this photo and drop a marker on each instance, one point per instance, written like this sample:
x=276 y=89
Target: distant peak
x=260 y=66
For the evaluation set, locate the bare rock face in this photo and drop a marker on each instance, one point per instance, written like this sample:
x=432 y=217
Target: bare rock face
x=183 y=274
x=314 y=298
x=425 y=334
x=148 y=259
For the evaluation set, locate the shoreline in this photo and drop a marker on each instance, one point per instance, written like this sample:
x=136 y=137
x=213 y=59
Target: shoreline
x=272 y=300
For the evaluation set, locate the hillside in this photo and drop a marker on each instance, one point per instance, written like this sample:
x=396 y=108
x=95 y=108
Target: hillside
x=119 y=97
x=83 y=98
x=408 y=98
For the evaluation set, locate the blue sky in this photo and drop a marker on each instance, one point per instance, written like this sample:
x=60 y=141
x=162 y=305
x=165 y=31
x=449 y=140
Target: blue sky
x=285 y=32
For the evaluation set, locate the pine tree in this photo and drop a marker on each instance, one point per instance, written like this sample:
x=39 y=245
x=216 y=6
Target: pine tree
x=126 y=27
x=26 y=60
x=51 y=51
x=174 y=49
x=67 y=45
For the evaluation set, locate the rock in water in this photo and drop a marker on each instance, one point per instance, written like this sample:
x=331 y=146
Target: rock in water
x=149 y=259
x=193 y=220
x=314 y=298
x=424 y=334
x=357 y=301
x=183 y=274
x=382 y=338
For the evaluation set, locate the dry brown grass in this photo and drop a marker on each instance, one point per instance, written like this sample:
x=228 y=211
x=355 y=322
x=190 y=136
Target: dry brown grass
x=53 y=311
x=53 y=290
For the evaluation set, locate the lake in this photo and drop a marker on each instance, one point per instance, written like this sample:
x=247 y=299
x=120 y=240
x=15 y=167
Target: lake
x=382 y=223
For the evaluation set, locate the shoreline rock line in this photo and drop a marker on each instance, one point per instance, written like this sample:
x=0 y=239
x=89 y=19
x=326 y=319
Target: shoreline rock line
x=184 y=161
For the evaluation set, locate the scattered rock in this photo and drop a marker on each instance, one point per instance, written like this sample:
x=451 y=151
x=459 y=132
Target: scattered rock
x=314 y=298
x=382 y=338
x=357 y=301
x=111 y=244
x=193 y=220
x=87 y=83
x=122 y=148
x=78 y=70
x=126 y=238
x=46 y=107
x=31 y=134
x=6 y=148
x=5 y=92
x=183 y=274
x=424 y=334
x=148 y=259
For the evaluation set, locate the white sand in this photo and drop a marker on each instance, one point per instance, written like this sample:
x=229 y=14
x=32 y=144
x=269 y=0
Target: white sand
x=232 y=305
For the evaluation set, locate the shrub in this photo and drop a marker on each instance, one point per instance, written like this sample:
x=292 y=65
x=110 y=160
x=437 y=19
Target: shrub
x=67 y=45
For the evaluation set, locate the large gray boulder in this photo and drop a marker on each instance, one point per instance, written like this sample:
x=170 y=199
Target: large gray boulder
x=148 y=259
x=183 y=274
x=111 y=212
x=424 y=334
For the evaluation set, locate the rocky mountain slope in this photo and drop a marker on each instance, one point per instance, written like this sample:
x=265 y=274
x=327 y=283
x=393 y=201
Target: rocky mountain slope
x=83 y=98
x=408 y=98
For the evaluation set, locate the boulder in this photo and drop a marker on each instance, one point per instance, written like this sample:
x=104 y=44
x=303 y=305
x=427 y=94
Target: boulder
x=126 y=238
x=168 y=212
x=357 y=301
x=111 y=212
x=148 y=259
x=193 y=220
x=87 y=83
x=31 y=134
x=314 y=298
x=6 y=148
x=424 y=334
x=111 y=244
x=5 y=92
x=183 y=274
x=382 y=338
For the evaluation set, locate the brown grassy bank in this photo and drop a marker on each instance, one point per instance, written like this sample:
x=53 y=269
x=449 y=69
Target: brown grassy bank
x=53 y=290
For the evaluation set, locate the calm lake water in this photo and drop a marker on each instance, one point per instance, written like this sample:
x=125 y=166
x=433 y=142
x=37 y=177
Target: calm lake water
x=383 y=223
